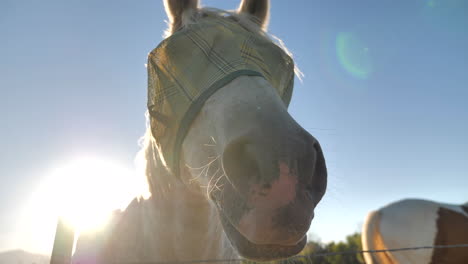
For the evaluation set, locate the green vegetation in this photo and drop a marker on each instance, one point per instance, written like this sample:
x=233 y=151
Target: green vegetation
x=352 y=243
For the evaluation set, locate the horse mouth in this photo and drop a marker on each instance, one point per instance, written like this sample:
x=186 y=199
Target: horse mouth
x=257 y=252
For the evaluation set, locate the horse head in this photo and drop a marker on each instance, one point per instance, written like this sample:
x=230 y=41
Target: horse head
x=219 y=89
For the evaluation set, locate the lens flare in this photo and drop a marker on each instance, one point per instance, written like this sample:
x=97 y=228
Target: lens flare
x=353 y=55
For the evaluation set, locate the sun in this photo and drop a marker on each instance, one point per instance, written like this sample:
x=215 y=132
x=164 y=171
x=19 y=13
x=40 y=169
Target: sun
x=87 y=190
x=84 y=192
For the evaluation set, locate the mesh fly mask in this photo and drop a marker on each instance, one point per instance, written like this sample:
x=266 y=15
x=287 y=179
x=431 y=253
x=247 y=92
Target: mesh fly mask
x=193 y=63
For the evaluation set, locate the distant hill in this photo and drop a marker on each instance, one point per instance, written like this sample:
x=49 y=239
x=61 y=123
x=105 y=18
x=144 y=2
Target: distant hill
x=22 y=257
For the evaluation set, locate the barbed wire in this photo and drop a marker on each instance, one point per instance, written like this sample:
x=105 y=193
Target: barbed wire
x=307 y=257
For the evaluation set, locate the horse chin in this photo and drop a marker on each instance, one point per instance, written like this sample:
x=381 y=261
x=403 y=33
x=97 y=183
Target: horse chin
x=258 y=252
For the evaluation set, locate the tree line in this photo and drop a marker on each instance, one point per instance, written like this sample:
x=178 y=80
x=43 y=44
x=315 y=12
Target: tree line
x=352 y=243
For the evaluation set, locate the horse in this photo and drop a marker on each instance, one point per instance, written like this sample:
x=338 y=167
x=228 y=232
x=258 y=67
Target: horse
x=231 y=173
x=412 y=223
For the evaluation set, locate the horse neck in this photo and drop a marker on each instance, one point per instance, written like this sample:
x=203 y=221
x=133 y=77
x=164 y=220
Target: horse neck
x=189 y=225
x=177 y=225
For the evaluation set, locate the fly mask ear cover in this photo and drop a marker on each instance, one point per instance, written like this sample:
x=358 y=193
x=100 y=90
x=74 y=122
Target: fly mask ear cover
x=192 y=64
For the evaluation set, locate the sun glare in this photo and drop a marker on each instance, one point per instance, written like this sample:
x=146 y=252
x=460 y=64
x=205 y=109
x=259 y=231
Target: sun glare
x=83 y=192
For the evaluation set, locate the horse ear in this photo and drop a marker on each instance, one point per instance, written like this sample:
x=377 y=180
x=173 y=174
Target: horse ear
x=258 y=10
x=176 y=9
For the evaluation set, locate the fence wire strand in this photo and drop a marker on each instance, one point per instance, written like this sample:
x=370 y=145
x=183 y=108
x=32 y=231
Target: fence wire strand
x=306 y=257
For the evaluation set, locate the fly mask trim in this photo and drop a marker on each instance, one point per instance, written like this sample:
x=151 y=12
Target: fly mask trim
x=192 y=64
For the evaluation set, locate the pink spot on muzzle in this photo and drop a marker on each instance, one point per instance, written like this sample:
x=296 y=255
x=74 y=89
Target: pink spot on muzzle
x=265 y=202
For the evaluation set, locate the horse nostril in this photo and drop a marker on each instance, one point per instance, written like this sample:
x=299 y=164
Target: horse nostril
x=319 y=175
x=239 y=163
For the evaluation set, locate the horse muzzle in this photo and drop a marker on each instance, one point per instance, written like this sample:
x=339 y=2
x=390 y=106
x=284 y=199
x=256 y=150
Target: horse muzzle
x=274 y=186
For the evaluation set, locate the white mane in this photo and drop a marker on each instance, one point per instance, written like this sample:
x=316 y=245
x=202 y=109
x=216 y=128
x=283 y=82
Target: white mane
x=149 y=164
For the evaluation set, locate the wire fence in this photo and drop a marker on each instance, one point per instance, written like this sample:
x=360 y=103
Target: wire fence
x=306 y=257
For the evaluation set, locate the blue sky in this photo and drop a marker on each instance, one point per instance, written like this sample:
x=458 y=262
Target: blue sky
x=385 y=91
